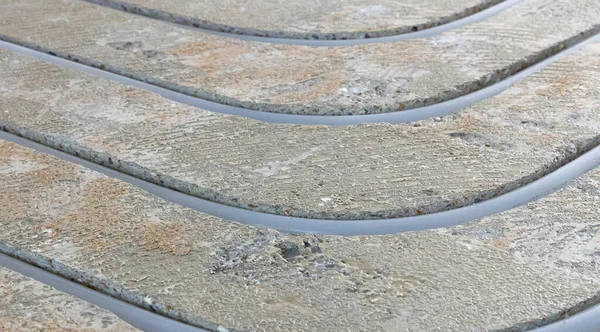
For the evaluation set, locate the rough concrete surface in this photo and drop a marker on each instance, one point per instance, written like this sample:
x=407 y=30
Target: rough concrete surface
x=298 y=79
x=524 y=265
x=27 y=305
x=307 y=19
x=351 y=172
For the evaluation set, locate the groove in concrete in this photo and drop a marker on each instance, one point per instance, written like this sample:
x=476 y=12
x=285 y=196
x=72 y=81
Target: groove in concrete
x=90 y=289
x=301 y=80
x=442 y=275
x=584 y=317
x=411 y=115
x=27 y=304
x=547 y=143
x=462 y=18
x=586 y=161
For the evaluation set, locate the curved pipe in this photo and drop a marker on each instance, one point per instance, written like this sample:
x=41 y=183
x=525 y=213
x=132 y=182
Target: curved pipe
x=411 y=115
x=584 y=321
x=139 y=318
x=249 y=35
x=585 y=317
x=530 y=192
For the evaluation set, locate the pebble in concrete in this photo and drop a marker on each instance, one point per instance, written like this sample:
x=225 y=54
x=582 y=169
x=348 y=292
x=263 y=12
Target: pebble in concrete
x=354 y=172
x=297 y=79
x=510 y=271
x=29 y=305
x=312 y=19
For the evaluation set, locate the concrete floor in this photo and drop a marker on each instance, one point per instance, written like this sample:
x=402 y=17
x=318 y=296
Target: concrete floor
x=349 y=172
x=314 y=19
x=377 y=78
x=29 y=305
x=517 y=269
x=513 y=271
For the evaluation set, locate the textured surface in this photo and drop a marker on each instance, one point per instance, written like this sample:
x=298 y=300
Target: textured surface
x=27 y=305
x=295 y=79
x=312 y=19
x=520 y=266
x=367 y=171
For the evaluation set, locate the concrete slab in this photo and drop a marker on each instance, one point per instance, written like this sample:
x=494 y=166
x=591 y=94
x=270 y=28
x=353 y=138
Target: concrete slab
x=313 y=19
x=297 y=79
x=29 y=305
x=511 y=271
x=355 y=172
